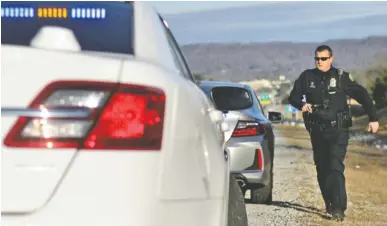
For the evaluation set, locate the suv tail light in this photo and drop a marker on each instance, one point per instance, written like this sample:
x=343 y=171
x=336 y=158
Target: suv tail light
x=92 y=115
x=259 y=159
x=248 y=128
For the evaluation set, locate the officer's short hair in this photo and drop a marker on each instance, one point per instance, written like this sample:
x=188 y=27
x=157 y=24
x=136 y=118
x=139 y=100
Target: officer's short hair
x=323 y=48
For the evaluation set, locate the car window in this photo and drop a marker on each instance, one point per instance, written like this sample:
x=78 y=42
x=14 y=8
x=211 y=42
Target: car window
x=259 y=104
x=231 y=98
x=98 y=26
x=178 y=56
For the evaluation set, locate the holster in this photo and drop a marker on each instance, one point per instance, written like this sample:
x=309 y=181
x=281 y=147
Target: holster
x=344 y=119
x=309 y=121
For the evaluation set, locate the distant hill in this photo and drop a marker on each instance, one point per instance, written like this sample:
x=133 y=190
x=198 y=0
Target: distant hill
x=241 y=62
x=279 y=37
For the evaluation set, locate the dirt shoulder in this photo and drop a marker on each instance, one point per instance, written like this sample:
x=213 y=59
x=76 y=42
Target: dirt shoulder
x=366 y=181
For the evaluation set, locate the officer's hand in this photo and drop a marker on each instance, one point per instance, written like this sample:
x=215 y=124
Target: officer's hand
x=373 y=127
x=307 y=108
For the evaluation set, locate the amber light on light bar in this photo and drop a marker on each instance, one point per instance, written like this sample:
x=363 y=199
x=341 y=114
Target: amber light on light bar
x=52 y=12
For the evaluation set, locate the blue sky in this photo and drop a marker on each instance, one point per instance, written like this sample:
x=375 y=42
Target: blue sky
x=165 y=7
x=176 y=7
x=211 y=21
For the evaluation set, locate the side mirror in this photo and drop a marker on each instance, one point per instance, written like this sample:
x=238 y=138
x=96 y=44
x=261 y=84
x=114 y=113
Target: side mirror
x=275 y=117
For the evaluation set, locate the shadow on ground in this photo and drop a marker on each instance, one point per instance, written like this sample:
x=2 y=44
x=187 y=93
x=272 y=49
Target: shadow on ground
x=298 y=207
x=301 y=208
x=297 y=147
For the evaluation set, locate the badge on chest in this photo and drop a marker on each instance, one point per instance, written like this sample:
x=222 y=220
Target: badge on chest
x=332 y=85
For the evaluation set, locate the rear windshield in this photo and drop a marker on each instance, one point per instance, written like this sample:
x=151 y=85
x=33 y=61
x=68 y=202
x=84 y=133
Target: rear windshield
x=98 y=26
x=231 y=98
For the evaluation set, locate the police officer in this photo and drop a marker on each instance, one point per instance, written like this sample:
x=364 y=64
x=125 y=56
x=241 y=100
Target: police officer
x=327 y=118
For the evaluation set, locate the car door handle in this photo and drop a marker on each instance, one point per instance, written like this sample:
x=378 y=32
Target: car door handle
x=225 y=155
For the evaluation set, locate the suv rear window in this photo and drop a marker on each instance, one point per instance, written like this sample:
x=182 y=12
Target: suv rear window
x=98 y=26
x=231 y=98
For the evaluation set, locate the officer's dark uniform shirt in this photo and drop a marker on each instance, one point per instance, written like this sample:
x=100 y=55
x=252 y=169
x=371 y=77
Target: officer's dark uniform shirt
x=317 y=85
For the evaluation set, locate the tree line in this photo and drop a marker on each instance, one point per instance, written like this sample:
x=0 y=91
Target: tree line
x=379 y=89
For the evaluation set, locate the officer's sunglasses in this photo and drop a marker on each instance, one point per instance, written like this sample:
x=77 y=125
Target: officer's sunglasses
x=321 y=58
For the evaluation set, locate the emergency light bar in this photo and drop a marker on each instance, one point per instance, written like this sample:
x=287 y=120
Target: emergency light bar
x=53 y=13
x=17 y=12
x=89 y=13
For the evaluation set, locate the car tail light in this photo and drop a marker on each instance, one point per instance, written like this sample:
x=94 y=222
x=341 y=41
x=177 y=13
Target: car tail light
x=248 y=128
x=259 y=159
x=92 y=115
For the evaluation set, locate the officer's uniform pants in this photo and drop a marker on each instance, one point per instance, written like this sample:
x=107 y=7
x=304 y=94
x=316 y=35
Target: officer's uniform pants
x=329 y=150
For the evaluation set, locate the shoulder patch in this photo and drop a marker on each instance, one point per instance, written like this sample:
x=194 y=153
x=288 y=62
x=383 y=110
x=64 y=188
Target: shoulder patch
x=351 y=77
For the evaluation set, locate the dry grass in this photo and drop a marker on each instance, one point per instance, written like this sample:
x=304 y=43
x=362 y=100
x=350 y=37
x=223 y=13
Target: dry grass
x=361 y=123
x=366 y=180
x=363 y=126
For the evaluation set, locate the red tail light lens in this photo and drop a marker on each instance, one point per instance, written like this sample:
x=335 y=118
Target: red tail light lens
x=132 y=118
x=119 y=116
x=248 y=128
x=260 y=159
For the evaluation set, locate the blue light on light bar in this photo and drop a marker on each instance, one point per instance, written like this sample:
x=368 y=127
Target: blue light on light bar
x=88 y=13
x=17 y=12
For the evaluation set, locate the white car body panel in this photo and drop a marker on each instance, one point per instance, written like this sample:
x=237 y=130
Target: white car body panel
x=185 y=183
x=149 y=38
x=39 y=170
x=231 y=119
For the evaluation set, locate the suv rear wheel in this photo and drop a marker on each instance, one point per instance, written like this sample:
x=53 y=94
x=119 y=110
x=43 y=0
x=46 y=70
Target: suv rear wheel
x=263 y=195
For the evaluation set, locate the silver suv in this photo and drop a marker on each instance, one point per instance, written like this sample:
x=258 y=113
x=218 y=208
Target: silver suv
x=250 y=136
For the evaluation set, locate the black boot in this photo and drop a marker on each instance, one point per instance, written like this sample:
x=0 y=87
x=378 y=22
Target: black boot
x=328 y=208
x=338 y=215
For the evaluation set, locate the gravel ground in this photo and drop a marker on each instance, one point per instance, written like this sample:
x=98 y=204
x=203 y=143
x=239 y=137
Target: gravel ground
x=294 y=183
x=288 y=176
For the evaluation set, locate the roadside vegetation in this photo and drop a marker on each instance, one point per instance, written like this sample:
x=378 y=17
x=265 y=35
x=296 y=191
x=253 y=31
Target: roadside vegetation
x=375 y=79
x=361 y=124
x=200 y=77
